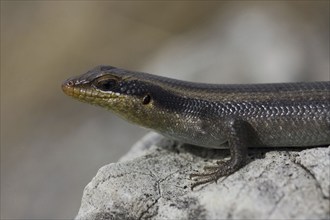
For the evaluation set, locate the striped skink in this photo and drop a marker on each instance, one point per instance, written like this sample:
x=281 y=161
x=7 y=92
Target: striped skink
x=211 y=115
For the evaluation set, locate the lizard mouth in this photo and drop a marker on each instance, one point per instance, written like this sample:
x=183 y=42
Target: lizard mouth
x=85 y=93
x=75 y=90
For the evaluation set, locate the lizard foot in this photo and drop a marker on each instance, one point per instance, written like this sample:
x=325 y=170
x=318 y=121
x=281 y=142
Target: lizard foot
x=224 y=168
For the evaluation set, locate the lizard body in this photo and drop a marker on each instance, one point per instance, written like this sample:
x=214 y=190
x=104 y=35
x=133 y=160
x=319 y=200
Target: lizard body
x=209 y=115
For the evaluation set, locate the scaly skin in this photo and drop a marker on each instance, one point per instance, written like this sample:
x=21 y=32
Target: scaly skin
x=209 y=115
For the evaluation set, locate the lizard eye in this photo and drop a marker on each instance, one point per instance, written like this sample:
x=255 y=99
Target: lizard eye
x=106 y=84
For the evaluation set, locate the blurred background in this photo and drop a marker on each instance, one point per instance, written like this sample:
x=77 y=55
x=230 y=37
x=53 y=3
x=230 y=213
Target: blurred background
x=52 y=145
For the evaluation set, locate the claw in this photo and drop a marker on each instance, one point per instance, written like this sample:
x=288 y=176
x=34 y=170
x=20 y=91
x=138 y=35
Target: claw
x=201 y=182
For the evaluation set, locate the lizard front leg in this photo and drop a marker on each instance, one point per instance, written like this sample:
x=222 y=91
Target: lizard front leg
x=239 y=135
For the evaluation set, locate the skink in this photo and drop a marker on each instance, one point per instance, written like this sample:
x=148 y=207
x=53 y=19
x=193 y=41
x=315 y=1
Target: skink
x=238 y=116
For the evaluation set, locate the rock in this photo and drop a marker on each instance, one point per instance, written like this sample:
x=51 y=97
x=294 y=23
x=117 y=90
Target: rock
x=152 y=181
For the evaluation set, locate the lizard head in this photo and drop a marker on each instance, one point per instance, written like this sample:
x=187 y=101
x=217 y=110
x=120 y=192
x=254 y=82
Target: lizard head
x=123 y=92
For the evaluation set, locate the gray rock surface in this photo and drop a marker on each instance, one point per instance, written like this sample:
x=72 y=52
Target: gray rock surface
x=152 y=181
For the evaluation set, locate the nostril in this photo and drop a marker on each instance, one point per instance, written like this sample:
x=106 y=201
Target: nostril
x=67 y=87
x=69 y=83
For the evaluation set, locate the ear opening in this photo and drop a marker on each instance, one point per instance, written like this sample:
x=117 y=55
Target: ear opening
x=146 y=99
